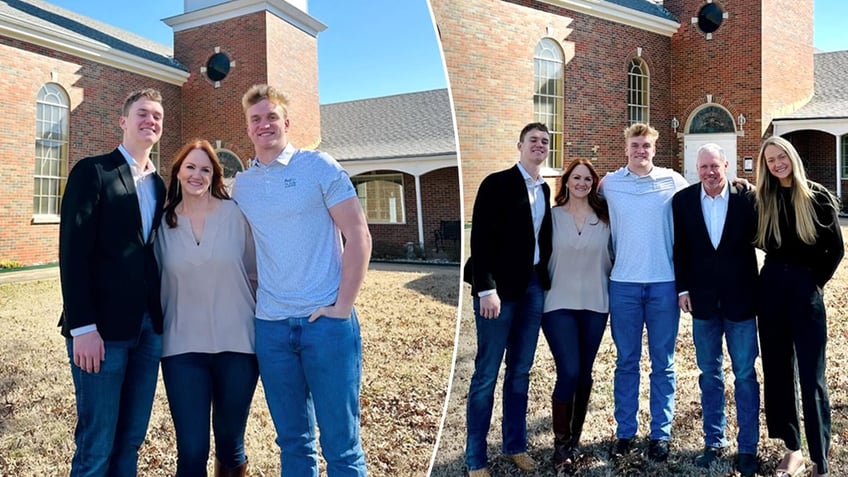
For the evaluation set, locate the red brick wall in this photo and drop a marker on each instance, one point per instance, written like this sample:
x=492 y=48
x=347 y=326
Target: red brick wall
x=728 y=67
x=265 y=49
x=96 y=94
x=787 y=46
x=818 y=152
x=441 y=201
x=488 y=47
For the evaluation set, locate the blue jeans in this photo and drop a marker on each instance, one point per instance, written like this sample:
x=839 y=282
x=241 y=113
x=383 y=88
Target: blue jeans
x=574 y=337
x=197 y=383
x=113 y=406
x=742 y=347
x=514 y=332
x=312 y=372
x=633 y=307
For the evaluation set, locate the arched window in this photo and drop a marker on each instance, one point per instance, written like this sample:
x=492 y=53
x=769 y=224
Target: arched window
x=638 y=82
x=51 y=150
x=548 y=102
x=381 y=196
x=712 y=119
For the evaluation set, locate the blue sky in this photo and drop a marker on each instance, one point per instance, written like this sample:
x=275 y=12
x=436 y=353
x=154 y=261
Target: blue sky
x=370 y=48
x=377 y=47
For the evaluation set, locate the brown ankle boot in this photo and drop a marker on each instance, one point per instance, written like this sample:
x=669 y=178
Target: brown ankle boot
x=562 y=412
x=240 y=471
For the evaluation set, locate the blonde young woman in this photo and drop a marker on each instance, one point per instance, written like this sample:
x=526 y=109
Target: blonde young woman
x=798 y=228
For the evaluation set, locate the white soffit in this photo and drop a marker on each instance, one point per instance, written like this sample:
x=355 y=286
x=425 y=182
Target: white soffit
x=57 y=39
x=238 y=8
x=619 y=14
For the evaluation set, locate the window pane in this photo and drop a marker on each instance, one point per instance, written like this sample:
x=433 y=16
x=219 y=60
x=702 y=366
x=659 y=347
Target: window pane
x=51 y=148
x=637 y=92
x=844 y=141
x=548 y=100
x=381 y=197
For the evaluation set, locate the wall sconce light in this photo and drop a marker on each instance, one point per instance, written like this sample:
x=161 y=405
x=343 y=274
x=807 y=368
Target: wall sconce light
x=675 y=123
x=741 y=120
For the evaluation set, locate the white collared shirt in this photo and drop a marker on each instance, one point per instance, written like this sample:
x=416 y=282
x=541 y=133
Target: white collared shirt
x=144 y=190
x=537 y=206
x=715 y=213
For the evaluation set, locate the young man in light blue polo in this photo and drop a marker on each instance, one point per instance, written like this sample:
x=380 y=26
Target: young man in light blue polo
x=642 y=292
x=299 y=204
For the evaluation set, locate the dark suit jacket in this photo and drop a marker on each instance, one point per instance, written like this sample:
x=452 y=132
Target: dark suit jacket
x=108 y=271
x=502 y=237
x=721 y=282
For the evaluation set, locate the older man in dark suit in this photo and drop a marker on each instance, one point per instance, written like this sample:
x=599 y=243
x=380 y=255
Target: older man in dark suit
x=111 y=316
x=715 y=270
x=510 y=248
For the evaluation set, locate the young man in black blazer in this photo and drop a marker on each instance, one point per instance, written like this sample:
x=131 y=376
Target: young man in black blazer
x=111 y=316
x=715 y=270
x=510 y=248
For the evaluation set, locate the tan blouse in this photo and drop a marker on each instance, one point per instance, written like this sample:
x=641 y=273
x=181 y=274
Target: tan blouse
x=208 y=293
x=580 y=264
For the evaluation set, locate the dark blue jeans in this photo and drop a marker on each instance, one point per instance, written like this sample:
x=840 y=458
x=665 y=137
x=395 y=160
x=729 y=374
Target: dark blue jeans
x=113 y=406
x=516 y=333
x=574 y=337
x=312 y=372
x=742 y=347
x=635 y=307
x=198 y=382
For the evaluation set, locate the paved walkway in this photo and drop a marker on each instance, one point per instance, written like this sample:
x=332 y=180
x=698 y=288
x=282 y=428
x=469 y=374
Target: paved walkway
x=47 y=273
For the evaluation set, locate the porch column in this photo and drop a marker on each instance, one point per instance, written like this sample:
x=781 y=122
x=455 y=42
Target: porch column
x=839 y=166
x=420 y=213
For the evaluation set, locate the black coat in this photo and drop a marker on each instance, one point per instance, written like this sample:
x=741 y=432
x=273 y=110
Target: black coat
x=721 y=282
x=502 y=237
x=108 y=271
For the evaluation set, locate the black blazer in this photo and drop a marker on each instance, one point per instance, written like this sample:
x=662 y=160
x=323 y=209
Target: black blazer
x=502 y=237
x=108 y=271
x=721 y=282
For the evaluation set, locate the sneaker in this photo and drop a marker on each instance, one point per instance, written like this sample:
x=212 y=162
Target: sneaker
x=658 y=450
x=523 y=461
x=621 y=448
x=709 y=455
x=747 y=464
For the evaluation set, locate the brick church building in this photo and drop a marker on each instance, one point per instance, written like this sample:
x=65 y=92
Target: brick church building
x=64 y=77
x=726 y=71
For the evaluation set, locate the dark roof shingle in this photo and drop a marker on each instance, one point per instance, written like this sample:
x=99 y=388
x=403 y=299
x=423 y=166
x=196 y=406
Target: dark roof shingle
x=403 y=125
x=830 y=97
x=74 y=25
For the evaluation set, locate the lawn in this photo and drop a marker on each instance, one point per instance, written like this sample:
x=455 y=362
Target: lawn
x=599 y=432
x=408 y=320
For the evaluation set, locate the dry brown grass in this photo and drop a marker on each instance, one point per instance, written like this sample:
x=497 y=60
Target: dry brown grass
x=408 y=318
x=600 y=425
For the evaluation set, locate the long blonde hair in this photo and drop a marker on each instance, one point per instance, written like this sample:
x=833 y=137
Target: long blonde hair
x=768 y=210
